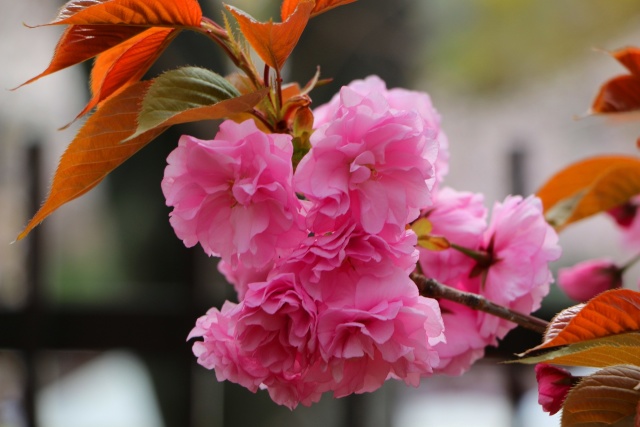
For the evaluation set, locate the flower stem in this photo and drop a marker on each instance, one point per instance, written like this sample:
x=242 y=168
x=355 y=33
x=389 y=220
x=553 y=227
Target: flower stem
x=231 y=49
x=434 y=289
x=629 y=263
x=481 y=257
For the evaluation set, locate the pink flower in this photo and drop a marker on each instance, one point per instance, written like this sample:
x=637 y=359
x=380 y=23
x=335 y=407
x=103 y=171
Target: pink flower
x=234 y=194
x=267 y=341
x=401 y=100
x=553 y=386
x=460 y=217
x=372 y=324
x=394 y=338
x=587 y=279
x=241 y=276
x=510 y=268
x=519 y=244
x=368 y=162
x=219 y=350
x=624 y=215
x=464 y=344
x=331 y=265
x=628 y=220
x=277 y=324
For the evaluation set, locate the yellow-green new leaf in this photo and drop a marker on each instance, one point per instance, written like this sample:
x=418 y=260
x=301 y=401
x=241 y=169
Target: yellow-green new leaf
x=612 y=350
x=608 y=397
x=178 y=96
x=422 y=227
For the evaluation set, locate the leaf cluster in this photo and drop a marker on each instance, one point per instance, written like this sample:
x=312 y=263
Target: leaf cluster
x=125 y=38
x=605 y=332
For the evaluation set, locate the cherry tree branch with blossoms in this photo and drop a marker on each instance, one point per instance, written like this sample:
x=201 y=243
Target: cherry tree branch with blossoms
x=334 y=225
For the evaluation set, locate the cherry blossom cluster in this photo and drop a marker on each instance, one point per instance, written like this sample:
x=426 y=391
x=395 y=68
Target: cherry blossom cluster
x=506 y=261
x=321 y=256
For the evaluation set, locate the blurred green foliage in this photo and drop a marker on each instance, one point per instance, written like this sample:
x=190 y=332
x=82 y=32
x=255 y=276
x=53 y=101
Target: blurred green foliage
x=484 y=45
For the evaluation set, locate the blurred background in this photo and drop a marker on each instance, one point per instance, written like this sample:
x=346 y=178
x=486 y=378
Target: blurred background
x=96 y=304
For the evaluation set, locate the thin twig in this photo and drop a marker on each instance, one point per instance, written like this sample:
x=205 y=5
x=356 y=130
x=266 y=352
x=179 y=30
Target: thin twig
x=434 y=289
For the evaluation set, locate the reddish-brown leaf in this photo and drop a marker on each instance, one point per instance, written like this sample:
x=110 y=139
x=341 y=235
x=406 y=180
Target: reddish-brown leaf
x=288 y=6
x=290 y=90
x=97 y=149
x=630 y=58
x=619 y=95
x=274 y=42
x=174 y=13
x=126 y=63
x=561 y=320
x=81 y=42
x=610 y=313
x=588 y=187
x=608 y=397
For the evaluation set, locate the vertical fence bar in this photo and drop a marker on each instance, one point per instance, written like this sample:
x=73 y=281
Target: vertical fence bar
x=518 y=169
x=33 y=308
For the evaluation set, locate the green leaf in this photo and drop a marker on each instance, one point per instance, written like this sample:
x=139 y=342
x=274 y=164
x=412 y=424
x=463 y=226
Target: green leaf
x=609 y=397
x=177 y=92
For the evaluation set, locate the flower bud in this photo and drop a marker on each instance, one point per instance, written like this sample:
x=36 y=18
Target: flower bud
x=624 y=215
x=553 y=386
x=587 y=279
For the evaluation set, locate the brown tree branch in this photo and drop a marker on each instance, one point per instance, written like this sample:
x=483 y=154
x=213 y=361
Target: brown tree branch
x=434 y=289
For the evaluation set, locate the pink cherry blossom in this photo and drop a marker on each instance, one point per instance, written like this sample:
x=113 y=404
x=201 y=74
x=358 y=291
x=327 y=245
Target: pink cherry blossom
x=379 y=335
x=460 y=217
x=277 y=324
x=587 y=279
x=234 y=194
x=553 y=386
x=398 y=99
x=372 y=324
x=368 y=162
x=520 y=244
x=510 y=268
x=403 y=99
x=266 y=341
x=624 y=215
x=464 y=344
x=330 y=265
x=628 y=221
x=240 y=276
x=219 y=350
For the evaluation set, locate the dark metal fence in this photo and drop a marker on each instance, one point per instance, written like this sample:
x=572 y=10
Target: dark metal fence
x=38 y=327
